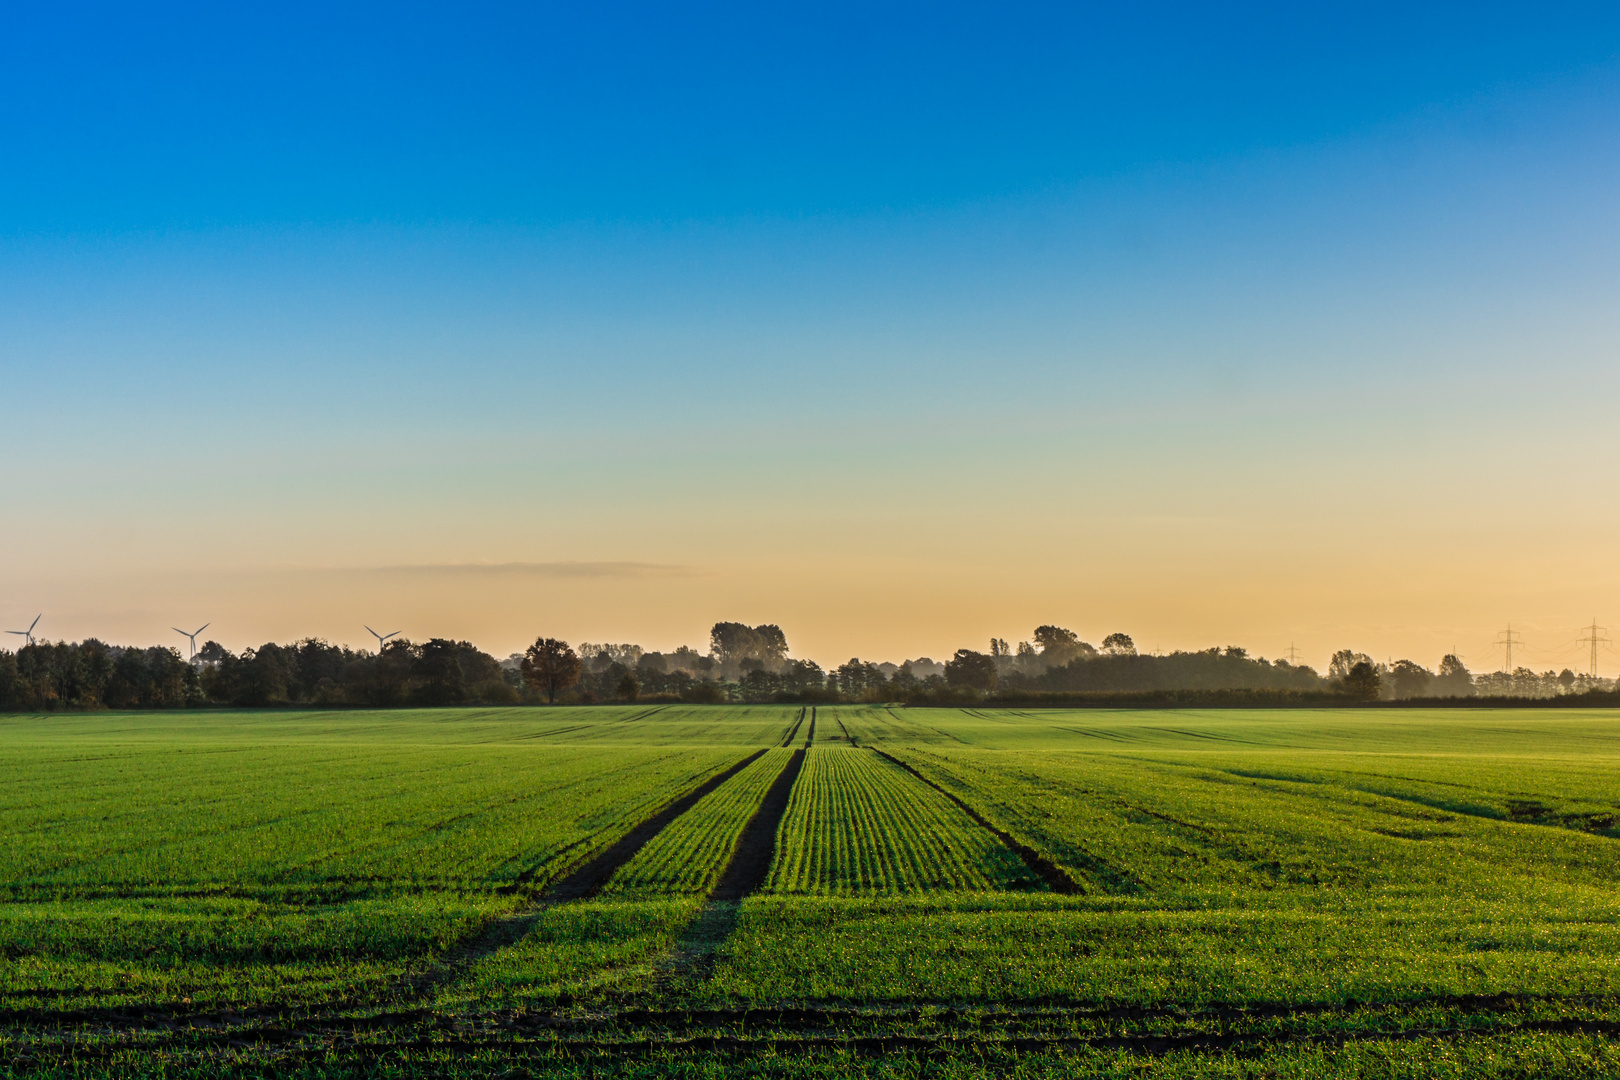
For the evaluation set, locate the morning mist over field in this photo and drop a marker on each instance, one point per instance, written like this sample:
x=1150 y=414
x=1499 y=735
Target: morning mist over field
x=901 y=329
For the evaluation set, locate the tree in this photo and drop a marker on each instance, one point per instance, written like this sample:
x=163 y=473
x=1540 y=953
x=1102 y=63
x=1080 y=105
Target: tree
x=799 y=676
x=1026 y=661
x=704 y=693
x=1059 y=646
x=858 y=676
x=689 y=659
x=759 y=685
x=1344 y=660
x=1408 y=680
x=598 y=657
x=1055 y=639
x=436 y=672
x=1454 y=679
x=550 y=666
x=261 y=675
x=971 y=669
x=731 y=643
x=383 y=680
x=11 y=689
x=212 y=652
x=1361 y=681
x=629 y=689
x=773 y=646
x=1119 y=645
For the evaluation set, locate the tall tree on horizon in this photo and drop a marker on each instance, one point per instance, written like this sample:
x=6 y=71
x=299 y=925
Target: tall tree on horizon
x=550 y=666
x=731 y=643
x=971 y=669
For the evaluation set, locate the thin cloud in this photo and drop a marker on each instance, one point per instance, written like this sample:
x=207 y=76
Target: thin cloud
x=566 y=569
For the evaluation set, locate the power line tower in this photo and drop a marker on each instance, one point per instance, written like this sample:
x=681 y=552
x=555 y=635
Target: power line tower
x=1594 y=637
x=1507 y=640
x=1293 y=654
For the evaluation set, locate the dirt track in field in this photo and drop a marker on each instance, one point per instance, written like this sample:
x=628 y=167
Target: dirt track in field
x=752 y=859
x=692 y=958
x=588 y=880
x=793 y=732
x=582 y=884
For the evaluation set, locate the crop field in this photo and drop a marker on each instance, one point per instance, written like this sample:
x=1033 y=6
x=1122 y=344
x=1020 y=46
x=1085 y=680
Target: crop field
x=797 y=891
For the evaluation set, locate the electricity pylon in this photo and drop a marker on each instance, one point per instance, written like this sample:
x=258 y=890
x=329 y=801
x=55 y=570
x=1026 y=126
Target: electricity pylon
x=1594 y=637
x=1507 y=640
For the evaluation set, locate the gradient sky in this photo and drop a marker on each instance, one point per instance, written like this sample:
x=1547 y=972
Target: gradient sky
x=899 y=326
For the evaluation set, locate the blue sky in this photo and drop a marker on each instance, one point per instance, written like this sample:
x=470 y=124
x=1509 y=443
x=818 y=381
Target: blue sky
x=150 y=118
x=900 y=326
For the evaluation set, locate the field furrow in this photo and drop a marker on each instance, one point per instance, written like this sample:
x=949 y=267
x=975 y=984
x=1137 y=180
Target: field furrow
x=688 y=857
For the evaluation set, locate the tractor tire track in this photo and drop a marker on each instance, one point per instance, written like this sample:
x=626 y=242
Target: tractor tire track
x=793 y=732
x=581 y=884
x=643 y=715
x=692 y=958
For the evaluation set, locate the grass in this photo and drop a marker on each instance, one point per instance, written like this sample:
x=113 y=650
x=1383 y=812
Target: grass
x=576 y=951
x=161 y=818
x=258 y=858
x=1266 y=893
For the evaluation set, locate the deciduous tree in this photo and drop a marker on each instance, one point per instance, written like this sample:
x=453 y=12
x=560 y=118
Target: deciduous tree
x=1409 y=680
x=1361 y=681
x=551 y=667
x=732 y=642
x=1344 y=660
x=971 y=669
x=1454 y=679
x=628 y=689
x=1119 y=645
x=1059 y=646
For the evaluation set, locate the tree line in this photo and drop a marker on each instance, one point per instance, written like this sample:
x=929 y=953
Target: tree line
x=743 y=663
x=92 y=674
x=750 y=664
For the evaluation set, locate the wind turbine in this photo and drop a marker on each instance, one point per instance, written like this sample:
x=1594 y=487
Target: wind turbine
x=28 y=633
x=380 y=639
x=192 y=636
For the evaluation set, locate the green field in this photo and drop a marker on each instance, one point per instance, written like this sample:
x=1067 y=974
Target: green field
x=850 y=890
